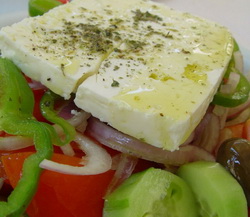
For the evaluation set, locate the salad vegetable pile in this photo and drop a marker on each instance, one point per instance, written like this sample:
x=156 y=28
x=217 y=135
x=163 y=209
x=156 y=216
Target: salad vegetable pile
x=58 y=160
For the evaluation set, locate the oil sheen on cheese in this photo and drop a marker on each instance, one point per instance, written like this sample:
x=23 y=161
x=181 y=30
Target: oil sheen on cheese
x=145 y=69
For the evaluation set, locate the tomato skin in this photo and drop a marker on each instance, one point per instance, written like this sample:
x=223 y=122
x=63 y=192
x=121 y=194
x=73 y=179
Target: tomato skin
x=246 y=130
x=64 y=1
x=237 y=130
x=74 y=196
x=241 y=130
x=59 y=194
x=2 y=171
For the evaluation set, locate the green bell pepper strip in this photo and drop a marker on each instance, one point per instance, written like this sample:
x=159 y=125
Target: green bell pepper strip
x=16 y=108
x=24 y=191
x=242 y=90
x=238 y=97
x=39 y=7
x=47 y=108
x=16 y=98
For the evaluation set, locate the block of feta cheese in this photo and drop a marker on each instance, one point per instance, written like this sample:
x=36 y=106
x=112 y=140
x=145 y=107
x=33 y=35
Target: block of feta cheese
x=145 y=69
x=64 y=46
x=159 y=83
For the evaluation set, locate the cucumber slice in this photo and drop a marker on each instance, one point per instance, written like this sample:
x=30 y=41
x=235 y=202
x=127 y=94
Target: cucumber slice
x=218 y=193
x=152 y=193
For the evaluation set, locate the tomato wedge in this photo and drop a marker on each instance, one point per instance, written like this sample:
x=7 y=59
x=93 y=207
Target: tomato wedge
x=59 y=194
x=237 y=130
x=246 y=132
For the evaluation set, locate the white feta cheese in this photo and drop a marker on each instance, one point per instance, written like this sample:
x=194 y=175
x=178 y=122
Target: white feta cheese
x=64 y=46
x=145 y=69
x=158 y=84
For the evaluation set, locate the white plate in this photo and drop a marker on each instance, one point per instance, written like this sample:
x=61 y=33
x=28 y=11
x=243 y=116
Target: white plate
x=231 y=13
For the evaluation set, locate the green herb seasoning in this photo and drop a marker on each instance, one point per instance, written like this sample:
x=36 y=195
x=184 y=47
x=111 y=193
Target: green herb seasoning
x=135 y=45
x=115 y=83
x=145 y=16
x=97 y=39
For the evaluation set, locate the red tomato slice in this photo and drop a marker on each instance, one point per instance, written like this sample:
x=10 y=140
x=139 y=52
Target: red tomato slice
x=59 y=194
x=2 y=171
x=246 y=131
x=6 y=153
x=237 y=130
x=64 y=1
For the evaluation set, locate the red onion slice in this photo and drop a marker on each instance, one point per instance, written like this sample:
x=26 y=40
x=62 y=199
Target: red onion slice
x=65 y=108
x=225 y=134
x=241 y=118
x=1 y=182
x=233 y=112
x=222 y=113
x=96 y=161
x=203 y=124
x=114 y=139
x=78 y=118
x=209 y=138
x=124 y=169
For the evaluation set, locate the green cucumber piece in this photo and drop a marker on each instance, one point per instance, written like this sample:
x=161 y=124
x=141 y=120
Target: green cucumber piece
x=217 y=192
x=152 y=193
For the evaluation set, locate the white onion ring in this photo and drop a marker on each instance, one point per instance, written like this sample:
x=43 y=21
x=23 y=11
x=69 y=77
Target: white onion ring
x=78 y=117
x=78 y=120
x=97 y=160
x=230 y=86
x=114 y=139
x=11 y=143
x=67 y=150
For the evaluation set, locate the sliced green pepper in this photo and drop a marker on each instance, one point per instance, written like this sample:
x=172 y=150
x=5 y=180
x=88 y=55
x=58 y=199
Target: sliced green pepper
x=238 y=97
x=241 y=93
x=39 y=7
x=47 y=109
x=16 y=108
